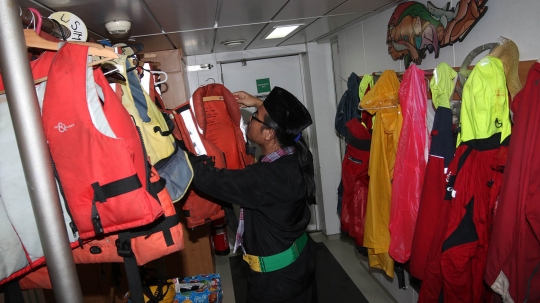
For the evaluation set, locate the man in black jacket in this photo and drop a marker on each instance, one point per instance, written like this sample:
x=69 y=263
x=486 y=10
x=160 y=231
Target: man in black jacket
x=274 y=194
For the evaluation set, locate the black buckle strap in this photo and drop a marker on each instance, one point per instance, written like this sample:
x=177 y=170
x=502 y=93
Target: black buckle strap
x=123 y=247
x=96 y=220
x=109 y=190
x=157 y=129
x=163 y=224
x=115 y=188
x=156 y=187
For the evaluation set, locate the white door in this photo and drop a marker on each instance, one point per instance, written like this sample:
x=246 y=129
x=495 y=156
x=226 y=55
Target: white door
x=285 y=72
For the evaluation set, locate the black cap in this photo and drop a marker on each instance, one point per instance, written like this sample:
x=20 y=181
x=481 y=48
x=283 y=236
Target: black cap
x=287 y=111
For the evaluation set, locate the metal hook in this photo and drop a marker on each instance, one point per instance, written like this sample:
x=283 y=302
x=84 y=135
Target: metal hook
x=38 y=19
x=32 y=21
x=160 y=73
x=428 y=88
x=212 y=80
x=110 y=71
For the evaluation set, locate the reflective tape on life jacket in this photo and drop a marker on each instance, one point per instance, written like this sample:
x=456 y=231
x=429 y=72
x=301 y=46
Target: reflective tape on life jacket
x=16 y=204
x=19 y=239
x=14 y=257
x=96 y=148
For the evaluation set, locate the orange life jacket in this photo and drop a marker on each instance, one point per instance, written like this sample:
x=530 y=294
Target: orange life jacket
x=108 y=190
x=210 y=124
x=147 y=243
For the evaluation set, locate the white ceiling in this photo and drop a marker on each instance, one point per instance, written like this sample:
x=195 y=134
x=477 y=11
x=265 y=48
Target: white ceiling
x=200 y=26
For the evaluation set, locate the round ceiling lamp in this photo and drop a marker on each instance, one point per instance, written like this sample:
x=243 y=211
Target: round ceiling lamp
x=118 y=30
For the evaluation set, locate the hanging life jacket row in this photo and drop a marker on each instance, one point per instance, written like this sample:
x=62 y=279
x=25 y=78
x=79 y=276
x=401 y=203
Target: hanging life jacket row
x=101 y=159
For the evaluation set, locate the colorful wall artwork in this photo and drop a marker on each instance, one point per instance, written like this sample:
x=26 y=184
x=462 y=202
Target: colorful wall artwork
x=415 y=28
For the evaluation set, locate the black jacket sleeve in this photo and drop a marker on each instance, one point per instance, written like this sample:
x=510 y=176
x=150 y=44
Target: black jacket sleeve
x=245 y=187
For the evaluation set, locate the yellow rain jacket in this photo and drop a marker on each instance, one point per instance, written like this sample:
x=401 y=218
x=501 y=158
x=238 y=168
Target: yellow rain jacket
x=384 y=143
x=442 y=85
x=367 y=81
x=484 y=106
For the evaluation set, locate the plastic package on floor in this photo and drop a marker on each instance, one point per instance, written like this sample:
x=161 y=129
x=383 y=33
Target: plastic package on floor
x=198 y=289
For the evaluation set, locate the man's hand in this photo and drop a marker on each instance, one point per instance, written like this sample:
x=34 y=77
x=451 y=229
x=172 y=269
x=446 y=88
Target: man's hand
x=246 y=100
x=202 y=159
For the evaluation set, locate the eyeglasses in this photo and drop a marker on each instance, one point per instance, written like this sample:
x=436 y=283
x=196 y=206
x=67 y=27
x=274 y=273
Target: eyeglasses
x=254 y=117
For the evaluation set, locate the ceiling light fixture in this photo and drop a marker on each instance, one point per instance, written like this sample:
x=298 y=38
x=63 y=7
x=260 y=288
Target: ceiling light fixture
x=282 y=31
x=198 y=67
x=118 y=30
x=233 y=42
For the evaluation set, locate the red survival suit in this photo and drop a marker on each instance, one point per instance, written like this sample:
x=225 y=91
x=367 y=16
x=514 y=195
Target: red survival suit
x=432 y=204
x=513 y=255
x=433 y=207
x=473 y=187
x=354 y=175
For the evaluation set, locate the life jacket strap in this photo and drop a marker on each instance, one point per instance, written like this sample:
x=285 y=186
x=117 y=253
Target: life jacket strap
x=157 y=129
x=109 y=190
x=115 y=188
x=123 y=247
x=162 y=224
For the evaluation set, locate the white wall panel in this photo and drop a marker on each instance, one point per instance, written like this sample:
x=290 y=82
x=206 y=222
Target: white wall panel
x=282 y=71
x=324 y=101
x=343 y=57
x=516 y=20
x=376 y=51
x=354 y=60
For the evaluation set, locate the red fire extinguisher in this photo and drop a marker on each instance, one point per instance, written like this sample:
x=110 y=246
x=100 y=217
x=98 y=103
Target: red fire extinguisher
x=219 y=237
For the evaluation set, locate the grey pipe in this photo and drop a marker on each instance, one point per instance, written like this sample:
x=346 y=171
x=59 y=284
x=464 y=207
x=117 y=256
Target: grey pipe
x=25 y=113
x=58 y=30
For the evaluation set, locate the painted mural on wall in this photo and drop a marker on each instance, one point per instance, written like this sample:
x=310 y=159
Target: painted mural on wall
x=415 y=28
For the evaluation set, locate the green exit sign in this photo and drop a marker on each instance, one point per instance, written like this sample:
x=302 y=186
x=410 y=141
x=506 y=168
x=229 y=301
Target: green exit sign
x=263 y=85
